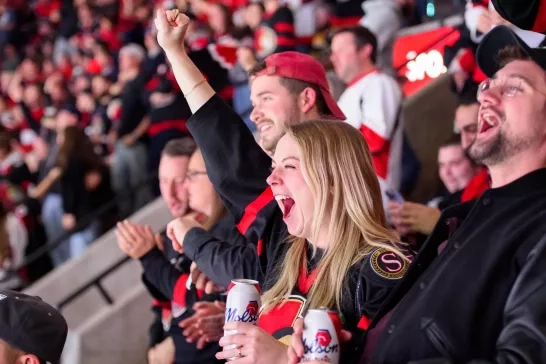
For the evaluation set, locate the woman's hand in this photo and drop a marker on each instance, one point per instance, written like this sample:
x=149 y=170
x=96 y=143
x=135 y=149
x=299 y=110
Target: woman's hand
x=252 y=345
x=55 y=173
x=171 y=28
x=295 y=350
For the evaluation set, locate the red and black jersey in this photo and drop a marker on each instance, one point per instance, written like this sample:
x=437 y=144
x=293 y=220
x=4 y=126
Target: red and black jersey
x=238 y=169
x=366 y=287
x=528 y=15
x=276 y=33
x=169 y=121
x=482 y=3
x=167 y=278
x=346 y=12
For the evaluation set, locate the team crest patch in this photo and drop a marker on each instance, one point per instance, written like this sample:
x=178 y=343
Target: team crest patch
x=387 y=264
x=266 y=41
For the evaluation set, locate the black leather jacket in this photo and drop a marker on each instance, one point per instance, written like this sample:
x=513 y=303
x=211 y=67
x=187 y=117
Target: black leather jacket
x=482 y=299
x=523 y=337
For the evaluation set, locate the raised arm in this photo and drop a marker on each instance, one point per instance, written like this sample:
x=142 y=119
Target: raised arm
x=236 y=165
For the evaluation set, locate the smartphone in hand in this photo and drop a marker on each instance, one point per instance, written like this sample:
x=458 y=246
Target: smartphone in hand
x=395 y=196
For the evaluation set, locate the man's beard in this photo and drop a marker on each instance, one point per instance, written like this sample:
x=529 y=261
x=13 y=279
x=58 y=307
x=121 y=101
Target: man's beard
x=292 y=118
x=269 y=144
x=498 y=149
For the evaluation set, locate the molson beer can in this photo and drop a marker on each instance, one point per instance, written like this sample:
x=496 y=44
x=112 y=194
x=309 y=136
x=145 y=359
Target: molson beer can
x=243 y=304
x=321 y=333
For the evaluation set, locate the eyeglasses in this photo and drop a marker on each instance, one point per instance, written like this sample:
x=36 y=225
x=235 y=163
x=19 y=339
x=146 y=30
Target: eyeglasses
x=508 y=87
x=191 y=175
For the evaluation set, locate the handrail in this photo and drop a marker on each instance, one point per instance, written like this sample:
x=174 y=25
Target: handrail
x=94 y=282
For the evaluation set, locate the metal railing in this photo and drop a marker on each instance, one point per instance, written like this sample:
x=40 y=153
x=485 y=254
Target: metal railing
x=95 y=282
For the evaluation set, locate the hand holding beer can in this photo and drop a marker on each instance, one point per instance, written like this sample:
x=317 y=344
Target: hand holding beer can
x=321 y=333
x=243 y=304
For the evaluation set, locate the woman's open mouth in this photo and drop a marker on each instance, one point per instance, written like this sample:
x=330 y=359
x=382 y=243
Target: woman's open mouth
x=286 y=204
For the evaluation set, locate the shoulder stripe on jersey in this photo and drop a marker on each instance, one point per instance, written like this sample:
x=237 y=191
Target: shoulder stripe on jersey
x=179 y=293
x=253 y=208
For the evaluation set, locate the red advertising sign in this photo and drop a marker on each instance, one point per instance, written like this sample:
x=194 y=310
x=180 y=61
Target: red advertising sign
x=419 y=57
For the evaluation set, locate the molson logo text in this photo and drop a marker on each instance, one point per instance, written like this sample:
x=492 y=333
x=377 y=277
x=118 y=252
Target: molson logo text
x=321 y=344
x=249 y=315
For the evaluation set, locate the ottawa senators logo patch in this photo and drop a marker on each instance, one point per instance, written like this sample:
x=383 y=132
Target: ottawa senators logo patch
x=265 y=41
x=387 y=264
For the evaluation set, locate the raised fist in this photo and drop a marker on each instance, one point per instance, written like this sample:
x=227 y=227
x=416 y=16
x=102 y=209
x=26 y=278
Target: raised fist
x=171 y=28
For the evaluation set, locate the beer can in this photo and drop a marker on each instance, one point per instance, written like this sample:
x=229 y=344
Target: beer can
x=321 y=333
x=243 y=304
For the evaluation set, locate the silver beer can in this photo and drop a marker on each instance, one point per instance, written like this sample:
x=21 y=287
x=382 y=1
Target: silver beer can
x=243 y=304
x=321 y=333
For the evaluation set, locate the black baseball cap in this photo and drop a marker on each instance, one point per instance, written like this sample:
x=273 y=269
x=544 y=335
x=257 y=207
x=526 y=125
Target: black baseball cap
x=31 y=325
x=525 y=14
x=498 y=38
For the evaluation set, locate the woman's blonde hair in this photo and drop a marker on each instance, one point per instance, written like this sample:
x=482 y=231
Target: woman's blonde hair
x=337 y=166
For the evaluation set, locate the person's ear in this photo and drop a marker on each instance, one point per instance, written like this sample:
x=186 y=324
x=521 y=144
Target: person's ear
x=307 y=99
x=27 y=359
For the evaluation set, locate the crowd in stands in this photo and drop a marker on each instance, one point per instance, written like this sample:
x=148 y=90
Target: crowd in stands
x=95 y=123
x=88 y=100
x=370 y=100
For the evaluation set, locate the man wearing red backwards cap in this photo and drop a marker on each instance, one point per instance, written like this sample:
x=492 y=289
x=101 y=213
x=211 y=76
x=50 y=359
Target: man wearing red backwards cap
x=287 y=88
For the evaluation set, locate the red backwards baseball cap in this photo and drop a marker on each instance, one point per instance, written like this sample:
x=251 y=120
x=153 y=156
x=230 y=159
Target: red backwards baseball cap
x=305 y=68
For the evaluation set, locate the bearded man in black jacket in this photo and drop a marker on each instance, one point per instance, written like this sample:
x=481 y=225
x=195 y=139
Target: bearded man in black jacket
x=476 y=292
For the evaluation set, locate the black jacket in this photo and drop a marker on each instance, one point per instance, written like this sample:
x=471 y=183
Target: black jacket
x=225 y=259
x=483 y=298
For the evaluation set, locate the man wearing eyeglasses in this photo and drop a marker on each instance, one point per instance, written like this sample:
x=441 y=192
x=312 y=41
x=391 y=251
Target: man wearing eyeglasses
x=166 y=272
x=482 y=299
x=466 y=123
